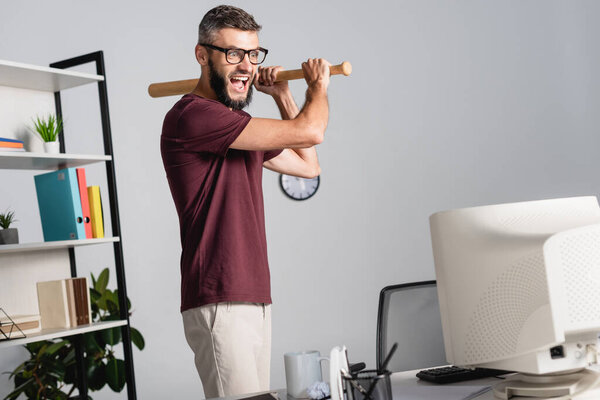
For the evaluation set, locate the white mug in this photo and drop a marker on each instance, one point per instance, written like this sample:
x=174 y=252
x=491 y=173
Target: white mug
x=302 y=370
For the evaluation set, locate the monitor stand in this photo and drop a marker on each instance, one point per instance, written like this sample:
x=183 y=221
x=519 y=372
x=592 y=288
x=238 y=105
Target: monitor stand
x=577 y=385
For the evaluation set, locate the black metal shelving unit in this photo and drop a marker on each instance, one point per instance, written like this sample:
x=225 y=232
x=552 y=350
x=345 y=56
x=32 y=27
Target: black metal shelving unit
x=98 y=59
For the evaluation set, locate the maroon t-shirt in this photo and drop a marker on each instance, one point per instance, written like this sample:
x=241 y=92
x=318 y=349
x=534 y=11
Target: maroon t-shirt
x=218 y=196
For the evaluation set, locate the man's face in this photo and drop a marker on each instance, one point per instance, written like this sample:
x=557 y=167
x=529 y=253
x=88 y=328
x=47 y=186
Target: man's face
x=232 y=83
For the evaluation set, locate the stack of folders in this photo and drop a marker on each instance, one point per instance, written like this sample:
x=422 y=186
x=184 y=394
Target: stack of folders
x=26 y=324
x=11 y=145
x=64 y=303
x=68 y=208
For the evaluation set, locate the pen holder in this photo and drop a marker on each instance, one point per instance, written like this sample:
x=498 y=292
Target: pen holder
x=369 y=385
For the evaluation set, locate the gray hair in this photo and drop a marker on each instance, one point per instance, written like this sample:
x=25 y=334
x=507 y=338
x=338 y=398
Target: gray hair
x=225 y=17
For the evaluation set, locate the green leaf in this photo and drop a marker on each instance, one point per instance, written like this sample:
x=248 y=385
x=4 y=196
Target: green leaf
x=49 y=128
x=55 y=347
x=106 y=295
x=128 y=301
x=101 y=303
x=71 y=374
x=137 y=338
x=20 y=389
x=115 y=374
x=96 y=375
x=112 y=336
x=43 y=349
x=91 y=344
x=17 y=370
x=102 y=281
x=94 y=295
x=100 y=340
x=35 y=347
x=70 y=356
x=55 y=369
x=113 y=308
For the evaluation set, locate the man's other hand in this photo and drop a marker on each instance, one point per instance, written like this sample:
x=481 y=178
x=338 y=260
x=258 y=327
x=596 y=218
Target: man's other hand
x=316 y=72
x=265 y=81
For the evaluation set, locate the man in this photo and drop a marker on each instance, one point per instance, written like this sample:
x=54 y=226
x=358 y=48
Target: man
x=213 y=155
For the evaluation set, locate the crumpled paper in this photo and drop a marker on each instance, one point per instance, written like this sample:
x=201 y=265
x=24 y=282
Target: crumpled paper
x=318 y=390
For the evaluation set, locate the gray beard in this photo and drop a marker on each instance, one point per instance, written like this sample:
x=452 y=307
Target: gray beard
x=218 y=84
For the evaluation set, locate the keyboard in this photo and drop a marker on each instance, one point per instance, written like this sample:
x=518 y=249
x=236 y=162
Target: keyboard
x=453 y=374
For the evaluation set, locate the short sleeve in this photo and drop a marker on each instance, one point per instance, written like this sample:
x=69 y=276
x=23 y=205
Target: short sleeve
x=271 y=154
x=208 y=126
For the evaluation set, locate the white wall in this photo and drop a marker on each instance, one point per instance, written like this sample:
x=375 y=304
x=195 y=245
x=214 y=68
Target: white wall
x=450 y=104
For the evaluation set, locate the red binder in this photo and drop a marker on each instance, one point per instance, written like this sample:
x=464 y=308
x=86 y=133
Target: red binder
x=85 y=204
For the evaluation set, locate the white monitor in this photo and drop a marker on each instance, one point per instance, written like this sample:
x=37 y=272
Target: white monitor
x=519 y=286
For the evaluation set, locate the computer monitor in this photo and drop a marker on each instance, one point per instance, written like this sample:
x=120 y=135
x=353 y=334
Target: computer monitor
x=519 y=290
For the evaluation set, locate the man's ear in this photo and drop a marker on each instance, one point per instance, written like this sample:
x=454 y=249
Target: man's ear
x=202 y=55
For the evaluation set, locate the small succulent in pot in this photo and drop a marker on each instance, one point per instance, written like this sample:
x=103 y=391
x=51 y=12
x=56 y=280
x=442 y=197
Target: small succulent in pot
x=48 y=129
x=8 y=235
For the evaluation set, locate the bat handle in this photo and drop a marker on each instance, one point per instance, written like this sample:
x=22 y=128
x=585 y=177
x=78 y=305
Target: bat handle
x=344 y=68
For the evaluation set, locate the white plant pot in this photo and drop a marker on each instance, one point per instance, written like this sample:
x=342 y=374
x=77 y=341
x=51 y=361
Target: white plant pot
x=52 y=147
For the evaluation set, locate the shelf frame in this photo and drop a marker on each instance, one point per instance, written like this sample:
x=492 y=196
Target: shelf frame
x=98 y=59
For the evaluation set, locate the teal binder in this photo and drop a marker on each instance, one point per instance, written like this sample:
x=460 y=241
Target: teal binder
x=60 y=205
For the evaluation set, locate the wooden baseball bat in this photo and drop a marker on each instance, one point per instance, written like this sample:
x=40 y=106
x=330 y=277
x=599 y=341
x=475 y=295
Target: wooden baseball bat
x=163 y=89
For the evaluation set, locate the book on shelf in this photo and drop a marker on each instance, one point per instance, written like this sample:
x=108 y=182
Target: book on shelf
x=27 y=324
x=10 y=140
x=53 y=304
x=85 y=203
x=7 y=144
x=96 y=214
x=11 y=150
x=11 y=145
x=64 y=303
x=83 y=311
x=60 y=205
x=71 y=306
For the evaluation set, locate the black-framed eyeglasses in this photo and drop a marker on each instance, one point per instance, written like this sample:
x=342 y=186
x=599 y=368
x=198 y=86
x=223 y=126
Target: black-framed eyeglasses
x=236 y=56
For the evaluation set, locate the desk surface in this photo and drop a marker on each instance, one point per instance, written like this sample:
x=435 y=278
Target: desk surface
x=408 y=382
x=405 y=385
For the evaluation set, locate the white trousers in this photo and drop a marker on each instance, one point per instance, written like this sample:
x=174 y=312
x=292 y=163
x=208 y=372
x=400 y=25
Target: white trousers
x=232 y=347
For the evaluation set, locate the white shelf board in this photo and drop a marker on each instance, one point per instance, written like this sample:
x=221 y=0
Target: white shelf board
x=58 y=244
x=45 y=161
x=47 y=334
x=47 y=79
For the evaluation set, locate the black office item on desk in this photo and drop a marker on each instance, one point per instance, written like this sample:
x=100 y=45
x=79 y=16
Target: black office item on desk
x=356 y=367
x=452 y=374
x=409 y=315
x=263 y=396
x=368 y=385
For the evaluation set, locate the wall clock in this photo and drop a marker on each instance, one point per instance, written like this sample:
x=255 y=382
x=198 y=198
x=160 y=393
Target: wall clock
x=299 y=188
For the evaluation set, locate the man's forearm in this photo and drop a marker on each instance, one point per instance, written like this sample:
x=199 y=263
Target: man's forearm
x=289 y=110
x=287 y=106
x=315 y=112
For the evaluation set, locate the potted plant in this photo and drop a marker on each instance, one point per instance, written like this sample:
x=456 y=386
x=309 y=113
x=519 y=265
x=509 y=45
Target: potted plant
x=48 y=129
x=50 y=372
x=8 y=235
